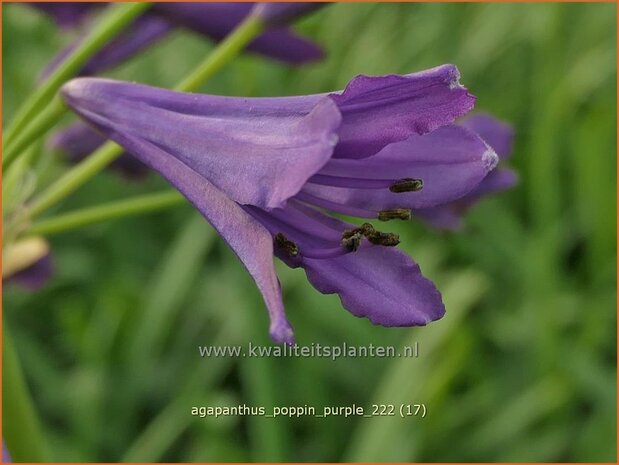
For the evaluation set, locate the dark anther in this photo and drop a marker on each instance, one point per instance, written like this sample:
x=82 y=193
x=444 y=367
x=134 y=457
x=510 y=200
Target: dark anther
x=351 y=242
x=351 y=238
x=406 y=185
x=386 y=239
x=395 y=214
x=286 y=245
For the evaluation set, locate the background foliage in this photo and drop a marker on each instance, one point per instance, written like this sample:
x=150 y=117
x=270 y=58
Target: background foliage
x=522 y=367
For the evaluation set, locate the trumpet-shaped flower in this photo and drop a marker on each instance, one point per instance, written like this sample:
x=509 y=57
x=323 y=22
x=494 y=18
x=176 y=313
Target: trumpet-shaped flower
x=263 y=170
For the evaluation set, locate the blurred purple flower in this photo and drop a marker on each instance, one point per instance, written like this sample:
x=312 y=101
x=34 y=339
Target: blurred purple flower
x=27 y=263
x=213 y=20
x=6 y=458
x=497 y=135
x=66 y=14
x=279 y=13
x=217 y=20
x=257 y=168
x=78 y=140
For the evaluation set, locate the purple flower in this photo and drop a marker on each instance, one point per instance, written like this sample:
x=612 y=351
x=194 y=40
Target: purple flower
x=6 y=458
x=28 y=263
x=66 y=15
x=217 y=20
x=500 y=137
x=144 y=32
x=78 y=140
x=258 y=168
x=213 y=20
x=279 y=13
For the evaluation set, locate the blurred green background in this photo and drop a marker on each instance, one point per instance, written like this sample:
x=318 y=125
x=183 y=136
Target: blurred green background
x=521 y=368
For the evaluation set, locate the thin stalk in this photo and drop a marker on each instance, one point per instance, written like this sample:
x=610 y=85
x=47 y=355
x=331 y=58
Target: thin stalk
x=107 y=211
x=93 y=164
x=20 y=425
x=115 y=21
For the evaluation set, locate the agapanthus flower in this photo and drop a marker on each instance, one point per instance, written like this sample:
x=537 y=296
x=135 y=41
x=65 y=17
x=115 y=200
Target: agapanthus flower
x=213 y=20
x=499 y=136
x=78 y=140
x=28 y=263
x=265 y=172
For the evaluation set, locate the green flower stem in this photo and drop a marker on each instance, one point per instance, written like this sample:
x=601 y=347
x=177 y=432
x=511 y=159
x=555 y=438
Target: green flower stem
x=20 y=426
x=82 y=172
x=40 y=125
x=74 y=178
x=107 y=211
x=115 y=21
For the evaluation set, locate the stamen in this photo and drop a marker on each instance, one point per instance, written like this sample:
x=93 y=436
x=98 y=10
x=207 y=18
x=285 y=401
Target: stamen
x=351 y=242
x=351 y=238
x=395 y=214
x=286 y=245
x=386 y=239
x=406 y=185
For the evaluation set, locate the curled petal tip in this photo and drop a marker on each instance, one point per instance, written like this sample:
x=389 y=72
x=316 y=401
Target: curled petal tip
x=490 y=159
x=75 y=89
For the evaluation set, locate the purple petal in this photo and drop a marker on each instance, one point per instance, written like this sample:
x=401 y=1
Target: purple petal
x=66 y=14
x=451 y=161
x=278 y=13
x=380 y=110
x=6 y=458
x=248 y=239
x=380 y=283
x=213 y=20
x=449 y=216
x=79 y=140
x=498 y=135
x=35 y=276
x=144 y=32
x=253 y=150
x=217 y=20
x=498 y=180
x=444 y=217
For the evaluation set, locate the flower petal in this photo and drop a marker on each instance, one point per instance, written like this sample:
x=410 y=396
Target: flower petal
x=35 y=276
x=66 y=14
x=251 y=242
x=498 y=180
x=6 y=458
x=380 y=283
x=497 y=134
x=449 y=216
x=443 y=217
x=384 y=109
x=451 y=161
x=251 y=149
x=277 y=13
x=143 y=32
x=217 y=20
